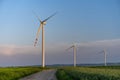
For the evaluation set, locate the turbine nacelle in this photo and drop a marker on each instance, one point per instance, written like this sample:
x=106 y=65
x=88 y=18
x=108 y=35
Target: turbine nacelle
x=43 y=22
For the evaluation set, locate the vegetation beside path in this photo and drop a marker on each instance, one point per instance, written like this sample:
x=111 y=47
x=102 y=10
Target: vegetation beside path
x=15 y=73
x=89 y=73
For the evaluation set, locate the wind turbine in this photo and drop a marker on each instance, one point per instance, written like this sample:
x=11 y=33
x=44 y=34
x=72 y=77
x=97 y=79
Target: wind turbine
x=105 y=57
x=42 y=23
x=74 y=53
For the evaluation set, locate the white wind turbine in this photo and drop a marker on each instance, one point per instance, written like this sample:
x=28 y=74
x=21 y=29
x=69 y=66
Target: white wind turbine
x=42 y=23
x=105 y=57
x=74 y=52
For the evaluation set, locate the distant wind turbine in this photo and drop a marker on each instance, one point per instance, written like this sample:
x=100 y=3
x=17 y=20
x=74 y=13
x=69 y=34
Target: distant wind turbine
x=105 y=57
x=74 y=53
x=42 y=23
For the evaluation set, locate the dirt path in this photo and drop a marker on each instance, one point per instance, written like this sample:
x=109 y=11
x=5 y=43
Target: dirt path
x=43 y=75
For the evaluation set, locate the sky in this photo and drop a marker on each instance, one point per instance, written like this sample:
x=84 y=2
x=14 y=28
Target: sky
x=95 y=22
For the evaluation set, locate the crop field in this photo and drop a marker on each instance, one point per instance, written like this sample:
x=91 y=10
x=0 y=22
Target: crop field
x=14 y=73
x=106 y=67
x=89 y=73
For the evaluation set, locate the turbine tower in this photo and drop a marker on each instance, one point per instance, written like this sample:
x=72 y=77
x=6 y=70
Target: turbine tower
x=42 y=23
x=105 y=57
x=74 y=53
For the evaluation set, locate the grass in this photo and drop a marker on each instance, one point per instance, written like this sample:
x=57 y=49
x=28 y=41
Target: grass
x=89 y=73
x=62 y=75
x=15 y=73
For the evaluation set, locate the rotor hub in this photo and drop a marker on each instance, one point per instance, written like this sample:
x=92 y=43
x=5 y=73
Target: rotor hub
x=44 y=23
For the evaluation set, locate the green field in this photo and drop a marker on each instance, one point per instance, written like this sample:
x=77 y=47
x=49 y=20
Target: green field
x=14 y=73
x=65 y=73
x=89 y=73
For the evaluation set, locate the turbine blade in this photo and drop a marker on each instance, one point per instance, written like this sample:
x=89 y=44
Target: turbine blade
x=69 y=48
x=37 y=35
x=50 y=17
x=37 y=17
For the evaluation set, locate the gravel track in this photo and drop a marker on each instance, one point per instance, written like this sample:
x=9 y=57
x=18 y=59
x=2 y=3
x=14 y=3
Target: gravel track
x=43 y=75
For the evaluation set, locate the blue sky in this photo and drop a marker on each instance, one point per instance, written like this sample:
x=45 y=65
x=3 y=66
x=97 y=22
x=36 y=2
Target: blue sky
x=76 y=21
